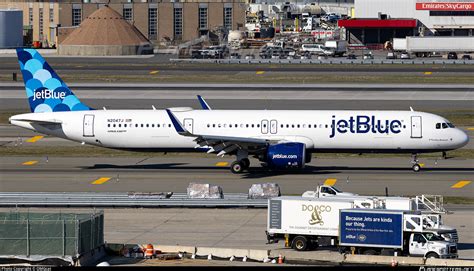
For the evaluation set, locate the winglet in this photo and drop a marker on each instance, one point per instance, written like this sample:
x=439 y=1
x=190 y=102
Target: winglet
x=203 y=103
x=177 y=125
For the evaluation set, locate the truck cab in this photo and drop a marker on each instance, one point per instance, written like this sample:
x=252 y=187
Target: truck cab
x=431 y=245
x=327 y=191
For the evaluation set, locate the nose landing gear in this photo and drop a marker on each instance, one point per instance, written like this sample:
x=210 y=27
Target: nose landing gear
x=416 y=167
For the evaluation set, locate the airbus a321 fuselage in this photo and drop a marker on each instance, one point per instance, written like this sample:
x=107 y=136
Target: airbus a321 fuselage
x=278 y=138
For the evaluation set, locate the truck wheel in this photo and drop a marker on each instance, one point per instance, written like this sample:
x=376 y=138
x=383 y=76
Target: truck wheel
x=300 y=243
x=432 y=255
x=369 y=252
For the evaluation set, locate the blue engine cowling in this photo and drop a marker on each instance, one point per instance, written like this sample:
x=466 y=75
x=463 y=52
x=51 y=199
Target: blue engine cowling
x=285 y=155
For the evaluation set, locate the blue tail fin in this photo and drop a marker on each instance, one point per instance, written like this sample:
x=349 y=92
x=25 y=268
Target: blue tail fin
x=45 y=90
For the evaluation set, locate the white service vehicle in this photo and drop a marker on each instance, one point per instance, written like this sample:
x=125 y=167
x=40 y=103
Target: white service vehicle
x=317 y=49
x=338 y=46
x=306 y=223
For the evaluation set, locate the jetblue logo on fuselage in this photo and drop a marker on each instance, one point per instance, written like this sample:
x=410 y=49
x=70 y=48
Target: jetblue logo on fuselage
x=364 y=124
x=48 y=94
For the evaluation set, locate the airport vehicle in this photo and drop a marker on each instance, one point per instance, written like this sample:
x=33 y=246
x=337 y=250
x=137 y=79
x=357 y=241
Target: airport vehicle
x=427 y=46
x=466 y=57
x=317 y=49
x=405 y=55
x=368 y=55
x=280 y=139
x=452 y=55
x=431 y=205
x=351 y=56
x=327 y=191
x=391 y=55
x=306 y=223
x=338 y=46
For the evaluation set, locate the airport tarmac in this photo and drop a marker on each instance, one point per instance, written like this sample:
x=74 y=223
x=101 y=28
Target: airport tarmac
x=323 y=96
x=225 y=228
x=367 y=176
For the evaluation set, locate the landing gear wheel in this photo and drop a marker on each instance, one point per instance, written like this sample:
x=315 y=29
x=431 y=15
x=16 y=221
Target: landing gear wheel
x=416 y=167
x=236 y=167
x=245 y=163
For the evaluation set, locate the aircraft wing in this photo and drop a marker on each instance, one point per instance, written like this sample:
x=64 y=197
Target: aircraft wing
x=220 y=144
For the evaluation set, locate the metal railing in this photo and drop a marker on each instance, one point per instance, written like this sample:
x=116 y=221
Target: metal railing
x=85 y=199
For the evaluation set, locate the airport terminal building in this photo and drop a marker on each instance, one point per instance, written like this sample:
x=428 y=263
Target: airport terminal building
x=377 y=21
x=157 y=20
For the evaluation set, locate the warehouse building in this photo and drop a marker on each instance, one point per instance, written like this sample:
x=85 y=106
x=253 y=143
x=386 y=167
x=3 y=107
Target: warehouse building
x=377 y=21
x=176 y=21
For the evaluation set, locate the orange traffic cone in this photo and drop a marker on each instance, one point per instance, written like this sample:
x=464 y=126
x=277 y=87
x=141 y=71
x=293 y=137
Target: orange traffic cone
x=280 y=259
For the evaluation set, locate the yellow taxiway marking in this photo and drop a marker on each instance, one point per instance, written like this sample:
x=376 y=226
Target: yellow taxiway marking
x=34 y=139
x=428 y=73
x=101 y=180
x=222 y=164
x=260 y=72
x=471 y=128
x=29 y=163
x=460 y=184
x=421 y=164
x=330 y=182
x=154 y=72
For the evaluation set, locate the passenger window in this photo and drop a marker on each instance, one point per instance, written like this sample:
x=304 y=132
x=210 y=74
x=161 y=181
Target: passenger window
x=281 y=125
x=298 y=126
x=158 y=125
x=287 y=126
x=292 y=126
x=213 y=126
x=141 y=125
x=438 y=125
x=153 y=125
x=258 y=125
x=444 y=125
x=253 y=125
x=326 y=126
x=114 y=125
x=208 y=125
x=230 y=125
x=246 y=125
x=169 y=125
x=125 y=125
x=108 y=125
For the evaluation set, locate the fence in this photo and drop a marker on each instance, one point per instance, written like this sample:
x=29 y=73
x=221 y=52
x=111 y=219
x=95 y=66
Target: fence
x=53 y=234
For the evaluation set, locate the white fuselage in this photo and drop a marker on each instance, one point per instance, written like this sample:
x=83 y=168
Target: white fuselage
x=321 y=131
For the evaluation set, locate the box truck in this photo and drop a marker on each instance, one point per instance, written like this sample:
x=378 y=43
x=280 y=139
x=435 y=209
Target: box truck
x=431 y=205
x=306 y=223
x=427 y=46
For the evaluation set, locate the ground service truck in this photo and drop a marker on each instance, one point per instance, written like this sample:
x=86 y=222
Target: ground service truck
x=306 y=223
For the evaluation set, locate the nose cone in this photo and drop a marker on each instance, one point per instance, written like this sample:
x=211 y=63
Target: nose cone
x=461 y=139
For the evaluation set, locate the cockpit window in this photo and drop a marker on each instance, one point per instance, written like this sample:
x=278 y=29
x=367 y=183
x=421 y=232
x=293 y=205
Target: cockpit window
x=450 y=125
x=444 y=125
x=438 y=125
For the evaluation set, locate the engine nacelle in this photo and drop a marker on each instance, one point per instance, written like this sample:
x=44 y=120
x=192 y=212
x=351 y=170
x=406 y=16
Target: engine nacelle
x=284 y=155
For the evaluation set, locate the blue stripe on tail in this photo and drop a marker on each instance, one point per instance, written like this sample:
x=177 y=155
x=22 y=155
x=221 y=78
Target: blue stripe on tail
x=45 y=90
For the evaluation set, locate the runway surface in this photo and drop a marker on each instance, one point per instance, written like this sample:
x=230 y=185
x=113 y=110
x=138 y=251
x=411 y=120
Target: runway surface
x=267 y=96
x=175 y=172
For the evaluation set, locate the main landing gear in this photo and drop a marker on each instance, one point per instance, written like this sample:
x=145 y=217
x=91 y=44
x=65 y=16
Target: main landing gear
x=240 y=165
x=416 y=167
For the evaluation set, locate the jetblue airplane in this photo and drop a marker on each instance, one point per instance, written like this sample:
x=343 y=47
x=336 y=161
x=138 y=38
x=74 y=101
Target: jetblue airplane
x=279 y=138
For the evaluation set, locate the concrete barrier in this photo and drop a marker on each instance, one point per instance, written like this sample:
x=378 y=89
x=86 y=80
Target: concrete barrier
x=449 y=262
x=309 y=256
x=164 y=248
x=385 y=260
x=254 y=254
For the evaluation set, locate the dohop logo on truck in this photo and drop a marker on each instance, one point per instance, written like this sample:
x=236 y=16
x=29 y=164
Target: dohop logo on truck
x=316 y=211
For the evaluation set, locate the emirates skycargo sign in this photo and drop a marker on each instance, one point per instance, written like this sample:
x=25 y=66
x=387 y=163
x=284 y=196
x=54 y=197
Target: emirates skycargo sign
x=446 y=6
